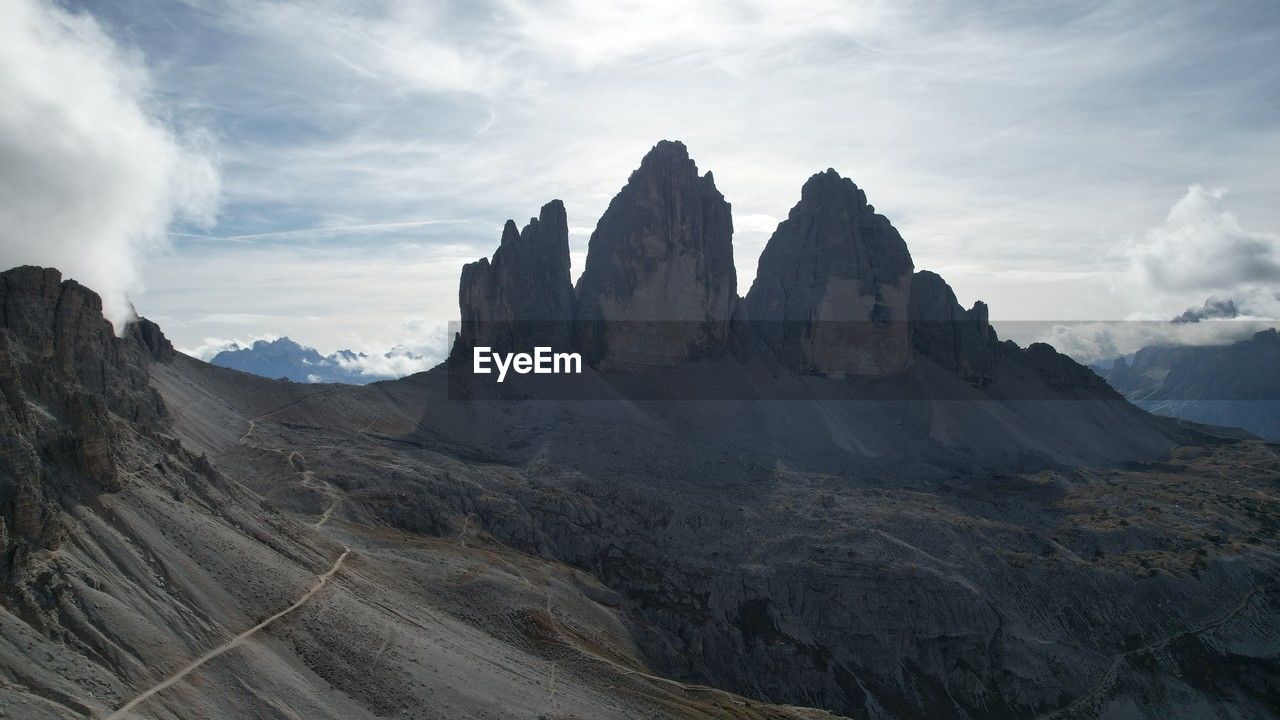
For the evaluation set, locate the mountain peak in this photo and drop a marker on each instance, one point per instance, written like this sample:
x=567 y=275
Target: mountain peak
x=662 y=252
x=666 y=151
x=525 y=296
x=832 y=287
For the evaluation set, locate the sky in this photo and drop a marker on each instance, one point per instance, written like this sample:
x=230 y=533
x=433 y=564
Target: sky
x=238 y=169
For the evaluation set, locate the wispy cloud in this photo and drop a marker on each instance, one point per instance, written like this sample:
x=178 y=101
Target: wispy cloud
x=1017 y=144
x=327 y=231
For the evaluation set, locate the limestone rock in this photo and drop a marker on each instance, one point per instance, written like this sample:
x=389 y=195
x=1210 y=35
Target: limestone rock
x=659 y=286
x=957 y=339
x=833 y=284
x=71 y=390
x=524 y=296
x=149 y=335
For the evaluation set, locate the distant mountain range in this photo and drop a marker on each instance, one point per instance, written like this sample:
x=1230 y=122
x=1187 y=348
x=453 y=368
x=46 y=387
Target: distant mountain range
x=284 y=358
x=1236 y=385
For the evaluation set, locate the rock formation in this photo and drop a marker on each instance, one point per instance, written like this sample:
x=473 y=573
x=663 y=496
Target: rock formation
x=957 y=339
x=659 y=286
x=149 y=335
x=831 y=292
x=69 y=387
x=524 y=296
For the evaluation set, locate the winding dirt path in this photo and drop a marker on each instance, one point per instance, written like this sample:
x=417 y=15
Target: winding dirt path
x=1112 y=672
x=309 y=482
x=253 y=421
x=234 y=642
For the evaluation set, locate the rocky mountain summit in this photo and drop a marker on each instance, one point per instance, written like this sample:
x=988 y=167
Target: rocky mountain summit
x=836 y=298
x=659 y=287
x=833 y=285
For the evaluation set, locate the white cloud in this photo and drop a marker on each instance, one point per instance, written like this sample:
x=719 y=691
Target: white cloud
x=1201 y=248
x=1103 y=341
x=91 y=175
x=212 y=345
x=423 y=345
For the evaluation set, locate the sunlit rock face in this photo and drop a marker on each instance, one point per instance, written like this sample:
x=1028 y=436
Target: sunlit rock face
x=831 y=293
x=524 y=296
x=659 y=286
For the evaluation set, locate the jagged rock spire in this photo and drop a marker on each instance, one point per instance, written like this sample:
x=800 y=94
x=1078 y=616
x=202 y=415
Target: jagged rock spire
x=659 y=286
x=524 y=296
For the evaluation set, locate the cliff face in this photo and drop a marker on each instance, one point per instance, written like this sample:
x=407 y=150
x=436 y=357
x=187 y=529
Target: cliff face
x=524 y=296
x=833 y=284
x=959 y=340
x=659 y=286
x=69 y=387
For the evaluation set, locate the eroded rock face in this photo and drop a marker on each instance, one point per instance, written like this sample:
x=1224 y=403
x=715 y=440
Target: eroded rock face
x=524 y=296
x=831 y=293
x=148 y=334
x=659 y=268
x=957 y=339
x=70 y=387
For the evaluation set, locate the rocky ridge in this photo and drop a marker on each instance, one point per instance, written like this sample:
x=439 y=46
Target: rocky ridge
x=142 y=578
x=959 y=340
x=1236 y=385
x=70 y=388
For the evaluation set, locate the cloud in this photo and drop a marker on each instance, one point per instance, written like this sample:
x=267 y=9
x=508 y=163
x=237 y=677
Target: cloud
x=423 y=345
x=1213 y=309
x=212 y=345
x=1020 y=139
x=1202 y=247
x=1092 y=342
x=91 y=173
x=1199 y=247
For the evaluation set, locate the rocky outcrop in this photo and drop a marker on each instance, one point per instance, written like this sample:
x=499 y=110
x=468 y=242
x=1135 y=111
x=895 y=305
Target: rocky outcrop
x=70 y=389
x=659 y=286
x=831 y=293
x=148 y=335
x=524 y=296
x=959 y=340
x=65 y=336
